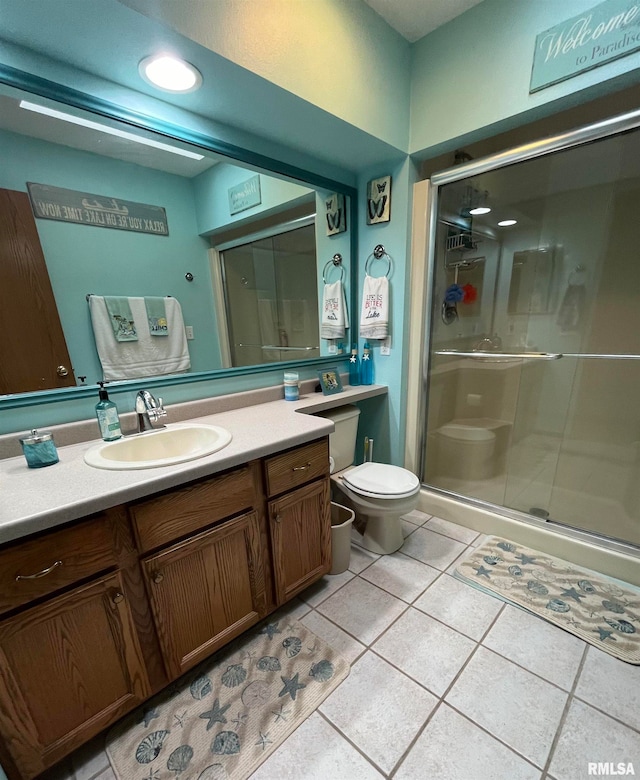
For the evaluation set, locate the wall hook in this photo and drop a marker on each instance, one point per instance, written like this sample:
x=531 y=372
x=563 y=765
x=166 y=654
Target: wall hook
x=188 y=276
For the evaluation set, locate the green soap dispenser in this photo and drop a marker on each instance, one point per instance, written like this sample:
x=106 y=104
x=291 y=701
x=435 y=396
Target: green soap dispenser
x=107 y=414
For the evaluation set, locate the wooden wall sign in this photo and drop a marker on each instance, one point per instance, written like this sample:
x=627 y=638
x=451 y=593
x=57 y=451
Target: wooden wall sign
x=593 y=38
x=83 y=208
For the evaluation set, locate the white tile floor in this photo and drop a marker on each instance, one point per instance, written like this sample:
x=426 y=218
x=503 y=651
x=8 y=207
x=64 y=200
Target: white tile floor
x=446 y=682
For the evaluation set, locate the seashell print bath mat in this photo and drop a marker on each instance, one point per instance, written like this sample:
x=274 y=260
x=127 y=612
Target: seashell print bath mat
x=602 y=611
x=223 y=719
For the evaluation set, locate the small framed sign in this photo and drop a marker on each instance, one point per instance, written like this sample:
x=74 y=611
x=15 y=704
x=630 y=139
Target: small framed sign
x=330 y=381
x=336 y=214
x=245 y=195
x=379 y=200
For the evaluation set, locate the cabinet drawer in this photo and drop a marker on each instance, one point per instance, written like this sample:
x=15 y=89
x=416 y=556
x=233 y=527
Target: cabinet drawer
x=178 y=513
x=297 y=466
x=43 y=565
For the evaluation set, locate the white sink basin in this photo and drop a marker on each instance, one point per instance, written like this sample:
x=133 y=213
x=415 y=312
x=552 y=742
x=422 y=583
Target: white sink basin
x=174 y=444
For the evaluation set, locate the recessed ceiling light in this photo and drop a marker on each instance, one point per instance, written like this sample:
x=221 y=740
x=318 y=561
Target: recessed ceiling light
x=507 y=222
x=78 y=120
x=170 y=73
x=479 y=210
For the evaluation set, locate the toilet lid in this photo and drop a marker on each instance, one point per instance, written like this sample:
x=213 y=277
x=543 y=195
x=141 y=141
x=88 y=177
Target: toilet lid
x=380 y=480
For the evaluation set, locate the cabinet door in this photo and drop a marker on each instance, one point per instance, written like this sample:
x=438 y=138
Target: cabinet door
x=205 y=591
x=301 y=536
x=68 y=668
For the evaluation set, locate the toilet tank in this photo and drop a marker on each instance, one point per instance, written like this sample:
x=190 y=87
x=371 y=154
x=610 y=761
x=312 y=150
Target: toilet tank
x=342 y=442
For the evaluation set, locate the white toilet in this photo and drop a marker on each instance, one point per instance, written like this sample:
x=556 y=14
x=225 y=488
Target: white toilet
x=378 y=493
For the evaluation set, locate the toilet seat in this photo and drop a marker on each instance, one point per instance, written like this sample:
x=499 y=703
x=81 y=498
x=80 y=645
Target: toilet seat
x=382 y=481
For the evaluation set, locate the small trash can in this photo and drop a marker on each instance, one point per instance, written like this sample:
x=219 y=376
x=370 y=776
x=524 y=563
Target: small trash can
x=341 y=520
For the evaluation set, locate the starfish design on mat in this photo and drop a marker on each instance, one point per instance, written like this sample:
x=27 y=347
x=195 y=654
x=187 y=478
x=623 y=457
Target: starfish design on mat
x=240 y=720
x=179 y=719
x=215 y=714
x=573 y=622
x=264 y=740
x=249 y=656
x=482 y=572
x=604 y=634
x=313 y=649
x=153 y=774
x=572 y=593
x=525 y=559
x=281 y=714
x=270 y=629
x=291 y=686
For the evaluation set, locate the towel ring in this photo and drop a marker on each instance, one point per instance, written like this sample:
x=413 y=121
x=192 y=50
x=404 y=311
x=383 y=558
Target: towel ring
x=336 y=261
x=378 y=254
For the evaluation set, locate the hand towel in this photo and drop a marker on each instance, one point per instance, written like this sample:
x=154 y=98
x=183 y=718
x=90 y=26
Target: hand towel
x=572 y=307
x=374 y=317
x=147 y=356
x=156 y=316
x=121 y=318
x=335 y=317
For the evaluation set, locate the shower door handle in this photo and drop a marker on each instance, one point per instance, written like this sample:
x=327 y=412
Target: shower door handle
x=492 y=355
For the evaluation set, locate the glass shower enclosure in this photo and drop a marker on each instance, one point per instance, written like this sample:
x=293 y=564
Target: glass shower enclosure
x=533 y=382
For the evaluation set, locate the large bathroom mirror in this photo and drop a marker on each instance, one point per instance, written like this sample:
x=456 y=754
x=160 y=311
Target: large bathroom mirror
x=111 y=210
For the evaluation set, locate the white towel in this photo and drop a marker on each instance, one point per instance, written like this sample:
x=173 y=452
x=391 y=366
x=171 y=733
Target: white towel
x=335 y=317
x=374 y=317
x=147 y=356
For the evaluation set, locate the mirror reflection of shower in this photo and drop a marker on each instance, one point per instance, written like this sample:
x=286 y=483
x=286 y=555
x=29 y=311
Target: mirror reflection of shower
x=270 y=289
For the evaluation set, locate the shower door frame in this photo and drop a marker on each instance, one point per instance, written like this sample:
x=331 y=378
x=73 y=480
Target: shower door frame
x=423 y=259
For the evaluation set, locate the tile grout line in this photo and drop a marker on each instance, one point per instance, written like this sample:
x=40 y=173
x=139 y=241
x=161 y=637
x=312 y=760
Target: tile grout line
x=441 y=700
x=350 y=741
x=604 y=712
x=565 y=713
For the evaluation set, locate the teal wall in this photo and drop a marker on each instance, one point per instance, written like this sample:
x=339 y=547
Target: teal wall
x=386 y=423
x=84 y=259
x=212 y=203
x=470 y=78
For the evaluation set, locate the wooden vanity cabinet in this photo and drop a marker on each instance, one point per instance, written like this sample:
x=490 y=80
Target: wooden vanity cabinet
x=98 y=615
x=206 y=591
x=299 y=518
x=71 y=664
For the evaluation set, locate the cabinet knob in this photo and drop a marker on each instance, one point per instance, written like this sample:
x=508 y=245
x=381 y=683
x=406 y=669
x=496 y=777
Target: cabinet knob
x=278 y=518
x=117 y=597
x=302 y=468
x=62 y=371
x=158 y=577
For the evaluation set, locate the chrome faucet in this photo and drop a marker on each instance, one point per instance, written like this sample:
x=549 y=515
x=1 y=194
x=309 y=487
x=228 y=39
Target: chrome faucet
x=488 y=344
x=148 y=411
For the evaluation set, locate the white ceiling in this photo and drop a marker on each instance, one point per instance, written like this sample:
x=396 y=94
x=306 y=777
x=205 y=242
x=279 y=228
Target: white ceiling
x=413 y=19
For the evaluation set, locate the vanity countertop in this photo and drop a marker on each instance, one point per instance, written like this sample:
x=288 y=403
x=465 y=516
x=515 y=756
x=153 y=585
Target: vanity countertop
x=33 y=500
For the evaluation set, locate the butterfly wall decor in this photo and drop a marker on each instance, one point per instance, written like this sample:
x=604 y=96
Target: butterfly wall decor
x=336 y=214
x=379 y=200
